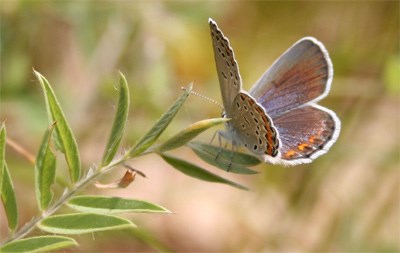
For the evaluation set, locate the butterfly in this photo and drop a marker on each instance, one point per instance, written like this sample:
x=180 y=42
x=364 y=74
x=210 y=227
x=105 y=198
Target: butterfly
x=278 y=120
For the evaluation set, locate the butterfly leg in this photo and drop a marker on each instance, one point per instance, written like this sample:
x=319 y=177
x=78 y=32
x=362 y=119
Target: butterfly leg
x=233 y=150
x=220 y=136
x=213 y=137
x=219 y=142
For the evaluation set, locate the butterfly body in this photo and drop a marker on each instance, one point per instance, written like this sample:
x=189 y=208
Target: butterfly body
x=278 y=120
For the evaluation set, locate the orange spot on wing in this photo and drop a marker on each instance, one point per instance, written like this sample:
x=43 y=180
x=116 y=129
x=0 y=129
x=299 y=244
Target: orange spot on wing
x=303 y=146
x=290 y=153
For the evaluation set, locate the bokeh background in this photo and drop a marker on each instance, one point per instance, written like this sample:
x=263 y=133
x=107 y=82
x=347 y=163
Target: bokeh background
x=346 y=201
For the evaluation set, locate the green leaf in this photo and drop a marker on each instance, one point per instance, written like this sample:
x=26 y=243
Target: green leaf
x=39 y=244
x=72 y=224
x=224 y=159
x=189 y=133
x=120 y=119
x=226 y=154
x=64 y=136
x=152 y=135
x=6 y=186
x=197 y=172
x=2 y=151
x=45 y=171
x=113 y=205
x=8 y=199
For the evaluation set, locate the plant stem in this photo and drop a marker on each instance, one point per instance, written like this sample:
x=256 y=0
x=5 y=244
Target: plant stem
x=27 y=228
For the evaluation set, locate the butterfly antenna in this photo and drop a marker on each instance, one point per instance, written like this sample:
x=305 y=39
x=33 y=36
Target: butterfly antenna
x=205 y=98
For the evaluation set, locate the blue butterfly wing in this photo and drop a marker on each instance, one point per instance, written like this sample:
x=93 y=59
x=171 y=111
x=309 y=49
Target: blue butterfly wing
x=306 y=133
x=301 y=75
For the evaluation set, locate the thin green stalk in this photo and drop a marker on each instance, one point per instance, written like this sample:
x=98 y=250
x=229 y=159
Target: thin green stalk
x=27 y=228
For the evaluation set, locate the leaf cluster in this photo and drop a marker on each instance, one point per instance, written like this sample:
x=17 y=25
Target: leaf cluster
x=99 y=213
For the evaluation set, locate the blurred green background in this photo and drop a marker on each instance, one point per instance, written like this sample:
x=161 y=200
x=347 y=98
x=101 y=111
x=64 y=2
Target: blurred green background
x=346 y=201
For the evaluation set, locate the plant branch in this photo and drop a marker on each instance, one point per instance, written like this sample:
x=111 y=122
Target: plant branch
x=27 y=228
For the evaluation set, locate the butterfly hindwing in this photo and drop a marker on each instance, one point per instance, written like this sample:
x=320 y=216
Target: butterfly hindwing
x=252 y=126
x=306 y=133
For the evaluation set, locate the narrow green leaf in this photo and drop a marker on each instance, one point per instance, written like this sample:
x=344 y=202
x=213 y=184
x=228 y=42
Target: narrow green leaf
x=2 y=151
x=197 y=172
x=45 y=171
x=224 y=159
x=6 y=186
x=64 y=136
x=8 y=199
x=120 y=119
x=39 y=244
x=113 y=205
x=226 y=154
x=81 y=223
x=152 y=135
x=189 y=133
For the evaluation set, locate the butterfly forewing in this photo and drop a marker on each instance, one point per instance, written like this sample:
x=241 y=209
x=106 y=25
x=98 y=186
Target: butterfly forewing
x=302 y=74
x=227 y=68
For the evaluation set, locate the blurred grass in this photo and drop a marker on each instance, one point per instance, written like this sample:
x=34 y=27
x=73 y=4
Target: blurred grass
x=347 y=200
